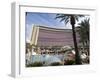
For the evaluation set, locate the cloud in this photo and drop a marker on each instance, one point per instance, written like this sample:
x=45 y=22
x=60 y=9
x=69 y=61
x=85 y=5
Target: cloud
x=28 y=31
x=47 y=19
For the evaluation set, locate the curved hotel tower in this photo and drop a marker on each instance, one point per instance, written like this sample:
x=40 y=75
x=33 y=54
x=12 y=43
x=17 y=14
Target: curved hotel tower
x=46 y=36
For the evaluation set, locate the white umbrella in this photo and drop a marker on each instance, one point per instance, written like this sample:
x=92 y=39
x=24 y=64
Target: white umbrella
x=33 y=53
x=66 y=48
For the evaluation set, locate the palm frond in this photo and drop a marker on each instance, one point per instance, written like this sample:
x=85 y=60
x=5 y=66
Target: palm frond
x=66 y=20
x=84 y=30
x=66 y=16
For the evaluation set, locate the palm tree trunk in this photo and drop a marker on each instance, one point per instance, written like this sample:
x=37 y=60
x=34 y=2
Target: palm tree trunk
x=77 y=56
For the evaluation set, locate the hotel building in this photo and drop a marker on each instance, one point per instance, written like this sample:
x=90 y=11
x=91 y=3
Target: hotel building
x=46 y=36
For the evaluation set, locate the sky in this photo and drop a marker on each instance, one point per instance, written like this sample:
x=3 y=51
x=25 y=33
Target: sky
x=46 y=19
x=43 y=19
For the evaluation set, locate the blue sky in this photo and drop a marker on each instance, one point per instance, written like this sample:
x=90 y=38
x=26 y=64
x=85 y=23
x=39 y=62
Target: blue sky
x=46 y=19
x=43 y=19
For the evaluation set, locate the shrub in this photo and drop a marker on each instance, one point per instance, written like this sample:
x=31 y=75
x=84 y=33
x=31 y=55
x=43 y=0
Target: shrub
x=55 y=64
x=69 y=62
x=35 y=64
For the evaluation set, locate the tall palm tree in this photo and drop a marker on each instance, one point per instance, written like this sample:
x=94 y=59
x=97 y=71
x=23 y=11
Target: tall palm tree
x=71 y=18
x=84 y=32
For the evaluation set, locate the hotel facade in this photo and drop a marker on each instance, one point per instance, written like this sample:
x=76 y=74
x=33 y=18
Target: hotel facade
x=46 y=36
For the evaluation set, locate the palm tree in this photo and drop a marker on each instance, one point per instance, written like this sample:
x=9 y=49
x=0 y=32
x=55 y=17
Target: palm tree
x=84 y=32
x=71 y=18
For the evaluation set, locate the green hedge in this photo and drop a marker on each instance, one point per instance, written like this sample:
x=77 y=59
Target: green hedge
x=55 y=64
x=35 y=64
x=69 y=62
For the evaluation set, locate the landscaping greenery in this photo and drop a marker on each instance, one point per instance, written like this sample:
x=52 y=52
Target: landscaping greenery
x=69 y=62
x=35 y=64
x=55 y=64
x=72 y=19
x=84 y=32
